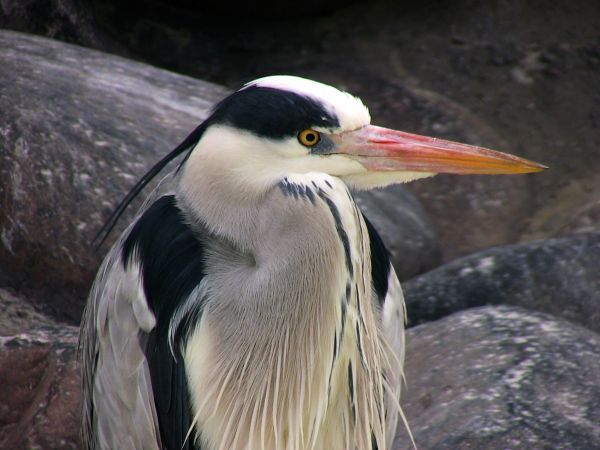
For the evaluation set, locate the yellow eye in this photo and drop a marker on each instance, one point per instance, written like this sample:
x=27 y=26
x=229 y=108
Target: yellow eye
x=309 y=137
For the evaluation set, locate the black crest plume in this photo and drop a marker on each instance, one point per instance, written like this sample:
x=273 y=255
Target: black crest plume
x=191 y=140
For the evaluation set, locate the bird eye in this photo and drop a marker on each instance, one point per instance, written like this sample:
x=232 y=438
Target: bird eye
x=309 y=138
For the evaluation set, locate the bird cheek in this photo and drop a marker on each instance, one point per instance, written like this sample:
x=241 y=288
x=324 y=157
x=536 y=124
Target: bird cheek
x=342 y=165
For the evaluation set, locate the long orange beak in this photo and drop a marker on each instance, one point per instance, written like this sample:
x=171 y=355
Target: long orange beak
x=383 y=149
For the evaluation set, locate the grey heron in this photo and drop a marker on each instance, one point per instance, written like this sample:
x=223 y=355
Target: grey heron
x=251 y=305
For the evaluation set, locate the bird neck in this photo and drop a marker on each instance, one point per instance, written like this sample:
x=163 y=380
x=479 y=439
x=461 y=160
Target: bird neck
x=214 y=199
x=226 y=179
x=295 y=322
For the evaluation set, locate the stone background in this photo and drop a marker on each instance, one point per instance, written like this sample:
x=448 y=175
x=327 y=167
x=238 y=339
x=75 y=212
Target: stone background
x=501 y=272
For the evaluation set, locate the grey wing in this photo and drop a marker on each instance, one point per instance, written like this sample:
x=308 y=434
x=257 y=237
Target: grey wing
x=135 y=383
x=118 y=404
x=393 y=316
x=388 y=293
x=393 y=321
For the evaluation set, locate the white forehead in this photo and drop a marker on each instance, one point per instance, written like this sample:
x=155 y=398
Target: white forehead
x=350 y=110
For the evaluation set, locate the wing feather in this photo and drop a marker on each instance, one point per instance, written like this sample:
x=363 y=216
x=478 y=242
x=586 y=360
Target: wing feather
x=393 y=316
x=118 y=405
x=135 y=386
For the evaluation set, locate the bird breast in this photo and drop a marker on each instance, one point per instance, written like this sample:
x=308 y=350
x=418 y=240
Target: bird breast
x=288 y=341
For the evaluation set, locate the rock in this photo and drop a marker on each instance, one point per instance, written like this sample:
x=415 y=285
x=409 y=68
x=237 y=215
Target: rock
x=575 y=209
x=79 y=128
x=533 y=119
x=17 y=314
x=41 y=409
x=556 y=276
x=500 y=378
x=404 y=227
x=471 y=213
x=585 y=220
x=257 y=9
x=71 y=21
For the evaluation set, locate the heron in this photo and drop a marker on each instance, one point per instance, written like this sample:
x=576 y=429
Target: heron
x=250 y=304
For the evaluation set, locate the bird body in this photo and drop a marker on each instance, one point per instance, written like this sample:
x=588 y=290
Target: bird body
x=251 y=305
x=310 y=374
x=303 y=388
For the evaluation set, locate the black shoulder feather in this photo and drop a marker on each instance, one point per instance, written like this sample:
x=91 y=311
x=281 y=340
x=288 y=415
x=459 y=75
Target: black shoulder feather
x=380 y=262
x=171 y=259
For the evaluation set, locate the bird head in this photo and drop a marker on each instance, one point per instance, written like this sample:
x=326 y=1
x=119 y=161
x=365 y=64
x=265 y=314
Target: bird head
x=279 y=125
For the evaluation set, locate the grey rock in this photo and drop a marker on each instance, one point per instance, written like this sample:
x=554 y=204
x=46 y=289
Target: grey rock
x=575 y=209
x=40 y=390
x=585 y=220
x=18 y=314
x=475 y=212
x=405 y=228
x=79 y=128
x=499 y=378
x=556 y=276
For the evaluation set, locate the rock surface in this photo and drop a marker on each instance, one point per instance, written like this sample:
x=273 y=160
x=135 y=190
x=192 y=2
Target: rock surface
x=520 y=69
x=256 y=9
x=70 y=21
x=405 y=228
x=79 y=128
x=41 y=407
x=492 y=377
x=575 y=209
x=500 y=378
x=585 y=220
x=556 y=276
x=17 y=314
